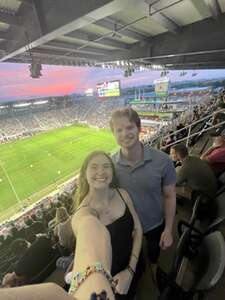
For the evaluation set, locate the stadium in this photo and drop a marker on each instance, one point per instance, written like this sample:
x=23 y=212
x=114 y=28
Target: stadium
x=120 y=62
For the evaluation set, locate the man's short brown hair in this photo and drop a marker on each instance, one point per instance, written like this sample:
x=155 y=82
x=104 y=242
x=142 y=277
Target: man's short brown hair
x=128 y=112
x=180 y=149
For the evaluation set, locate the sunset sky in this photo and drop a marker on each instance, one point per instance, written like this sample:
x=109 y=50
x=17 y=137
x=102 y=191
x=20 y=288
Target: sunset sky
x=16 y=83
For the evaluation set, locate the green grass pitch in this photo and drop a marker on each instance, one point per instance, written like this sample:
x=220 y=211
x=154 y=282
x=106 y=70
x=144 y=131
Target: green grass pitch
x=34 y=164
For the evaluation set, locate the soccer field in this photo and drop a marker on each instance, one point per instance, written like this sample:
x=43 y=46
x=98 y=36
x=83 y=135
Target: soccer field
x=33 y=167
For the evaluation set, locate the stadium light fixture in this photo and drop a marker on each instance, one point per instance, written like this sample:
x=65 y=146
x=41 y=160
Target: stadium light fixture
x=22 y=105
x=40 y=102
x=35 y=69
x=157 y=67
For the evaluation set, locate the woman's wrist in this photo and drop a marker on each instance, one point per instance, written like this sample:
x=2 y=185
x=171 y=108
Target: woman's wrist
x=79 y=277
x=132 y=263
x=135 y=256
x=130 y=270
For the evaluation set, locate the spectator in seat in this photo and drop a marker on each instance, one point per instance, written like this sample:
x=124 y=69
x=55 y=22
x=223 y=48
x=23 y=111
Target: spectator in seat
x=63 y=229
x=32 y=263
x=218 y=118
x=193 y=174
x=19 y=246
x=215 y=155
x=220 y=103
x=96 y=282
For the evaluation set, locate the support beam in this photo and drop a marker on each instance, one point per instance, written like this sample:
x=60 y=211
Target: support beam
x=29 y=26
x=159 y=17
x=191 y=58
x=44 y=53
x=198 y=65
x=110 y=24
x=8 y=19
x=72 y=48
x=194 y=38
x=214 y=7
x=3 y=45
x=55 y=61
x=61 y=19
x=201 y=8
x=93 y=40
x=4 y=35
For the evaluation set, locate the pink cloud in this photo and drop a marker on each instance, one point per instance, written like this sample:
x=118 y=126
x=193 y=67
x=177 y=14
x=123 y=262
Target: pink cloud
x=17 y=83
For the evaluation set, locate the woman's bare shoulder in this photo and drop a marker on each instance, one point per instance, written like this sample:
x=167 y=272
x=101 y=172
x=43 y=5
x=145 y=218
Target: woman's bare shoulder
x=81 y=212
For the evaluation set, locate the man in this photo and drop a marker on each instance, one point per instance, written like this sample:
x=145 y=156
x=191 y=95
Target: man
x=149 y=177
x=193 y=175
x=215 y=155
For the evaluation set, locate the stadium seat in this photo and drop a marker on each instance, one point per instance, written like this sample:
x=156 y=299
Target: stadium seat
x=221 y=178
x=45 y=272
x=210 y=260
x=218 y=212
x=207 y=265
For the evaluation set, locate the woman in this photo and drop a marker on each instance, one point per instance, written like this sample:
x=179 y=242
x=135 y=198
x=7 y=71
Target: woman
x=99 y=198
x=108 y=239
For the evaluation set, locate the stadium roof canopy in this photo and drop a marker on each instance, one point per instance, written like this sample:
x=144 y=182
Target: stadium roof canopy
x=177 y=34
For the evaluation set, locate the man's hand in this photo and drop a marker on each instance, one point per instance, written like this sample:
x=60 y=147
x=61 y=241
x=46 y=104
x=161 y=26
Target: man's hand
x=124 y=279
x=166 y=239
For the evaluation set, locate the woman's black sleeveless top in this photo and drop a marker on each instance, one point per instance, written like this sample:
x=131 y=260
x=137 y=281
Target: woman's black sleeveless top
x=121 y=240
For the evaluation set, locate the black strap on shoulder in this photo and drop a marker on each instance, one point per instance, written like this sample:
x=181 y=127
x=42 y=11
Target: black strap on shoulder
x=121 y=196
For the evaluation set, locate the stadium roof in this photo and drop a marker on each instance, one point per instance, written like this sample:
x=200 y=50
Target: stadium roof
x=177 y=34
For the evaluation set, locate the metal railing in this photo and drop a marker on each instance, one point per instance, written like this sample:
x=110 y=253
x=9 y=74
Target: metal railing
x=189 y=127
x=192 y=135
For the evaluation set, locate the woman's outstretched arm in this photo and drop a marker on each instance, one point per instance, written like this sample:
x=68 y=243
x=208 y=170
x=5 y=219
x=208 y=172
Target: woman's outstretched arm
x=93 y=245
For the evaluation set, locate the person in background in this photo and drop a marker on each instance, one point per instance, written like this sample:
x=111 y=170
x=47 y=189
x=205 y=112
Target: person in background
x=193 y=174
x=149 y=177
x=215 y=155
x=32 y=263
x=63 y=229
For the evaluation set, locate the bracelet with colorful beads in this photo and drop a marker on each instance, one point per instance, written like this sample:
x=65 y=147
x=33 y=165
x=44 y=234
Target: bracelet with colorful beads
x=79 y=277
x=130 y=269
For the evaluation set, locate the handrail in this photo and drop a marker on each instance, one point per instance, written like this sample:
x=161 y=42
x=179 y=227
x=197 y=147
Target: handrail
x=194 y=134
x=196 y=122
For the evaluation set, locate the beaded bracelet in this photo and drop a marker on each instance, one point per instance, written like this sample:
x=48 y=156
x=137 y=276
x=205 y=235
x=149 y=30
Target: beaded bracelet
x=134 y=256
x=80 y=277
x=129 y=268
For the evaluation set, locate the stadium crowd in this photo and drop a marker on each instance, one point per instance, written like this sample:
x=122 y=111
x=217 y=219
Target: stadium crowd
x=90 y=111
x=44 y=237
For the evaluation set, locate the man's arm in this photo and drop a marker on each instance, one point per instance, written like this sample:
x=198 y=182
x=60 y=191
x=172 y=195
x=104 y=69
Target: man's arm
x=169 y=195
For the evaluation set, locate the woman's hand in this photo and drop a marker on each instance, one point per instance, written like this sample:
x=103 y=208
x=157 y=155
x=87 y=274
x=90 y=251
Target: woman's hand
x=123 y=280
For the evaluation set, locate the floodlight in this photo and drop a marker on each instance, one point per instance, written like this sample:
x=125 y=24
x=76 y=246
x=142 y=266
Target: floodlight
x=35 y=70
